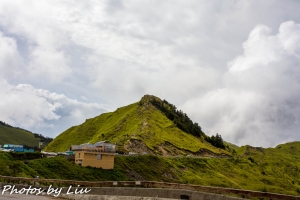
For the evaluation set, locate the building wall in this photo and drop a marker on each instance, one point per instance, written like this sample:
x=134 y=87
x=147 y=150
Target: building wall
x=93 y=159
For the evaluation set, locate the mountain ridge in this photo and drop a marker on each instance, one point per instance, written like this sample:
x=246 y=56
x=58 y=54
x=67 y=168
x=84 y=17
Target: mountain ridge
x=15 y=135
x=141 y=121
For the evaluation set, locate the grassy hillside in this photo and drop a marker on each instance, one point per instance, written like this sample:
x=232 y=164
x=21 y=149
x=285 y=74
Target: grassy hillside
x=272 y=170
x=277 y=167
x=12 y=135
x=140 y=123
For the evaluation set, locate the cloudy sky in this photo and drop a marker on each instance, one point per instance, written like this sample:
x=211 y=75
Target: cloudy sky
x=233 y=66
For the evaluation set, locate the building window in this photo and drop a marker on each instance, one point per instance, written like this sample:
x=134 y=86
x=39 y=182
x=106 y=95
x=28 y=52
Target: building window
x=78 y=155
x=99 y=157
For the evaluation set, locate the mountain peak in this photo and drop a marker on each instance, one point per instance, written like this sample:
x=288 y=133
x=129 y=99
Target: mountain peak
x=147 y=98
x=151 y=125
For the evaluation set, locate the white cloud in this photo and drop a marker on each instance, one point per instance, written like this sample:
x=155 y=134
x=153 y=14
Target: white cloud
x=48 y=64
x=114 y=52
x=35 y=24
x=10 y=59
x=84 y=98
x=34 y=109
x=258 y=102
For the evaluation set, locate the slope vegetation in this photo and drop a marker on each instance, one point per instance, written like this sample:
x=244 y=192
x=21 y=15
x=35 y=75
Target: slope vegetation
x=137 y=127
x=13 y=135
x=268 y=170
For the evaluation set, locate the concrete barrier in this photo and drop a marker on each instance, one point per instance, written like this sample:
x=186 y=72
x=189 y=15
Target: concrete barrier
x=108 y=193
x=108 y=197
x=146 y=184
x=161 y=193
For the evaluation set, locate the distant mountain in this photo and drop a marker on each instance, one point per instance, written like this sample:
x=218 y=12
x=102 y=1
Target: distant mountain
x=151 y=126
x=15 y=135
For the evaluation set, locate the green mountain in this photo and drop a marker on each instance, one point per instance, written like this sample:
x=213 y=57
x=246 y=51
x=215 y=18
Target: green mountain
x=157 y=127
x=150 y=125
x=252 y=168
x=14 y=135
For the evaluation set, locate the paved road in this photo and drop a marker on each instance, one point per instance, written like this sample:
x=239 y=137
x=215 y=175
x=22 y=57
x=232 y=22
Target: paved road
x=7 y=196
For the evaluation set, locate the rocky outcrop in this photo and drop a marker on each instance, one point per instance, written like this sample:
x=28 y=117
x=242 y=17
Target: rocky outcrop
x=138 y=147
x=167 y=149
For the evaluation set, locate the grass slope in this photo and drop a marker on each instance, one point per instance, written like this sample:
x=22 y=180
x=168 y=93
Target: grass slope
x=141 y=121
x=272 y=170
x=11 y=135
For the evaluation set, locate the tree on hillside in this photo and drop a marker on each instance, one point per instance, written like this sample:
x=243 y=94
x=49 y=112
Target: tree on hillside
x=216 y=141
x=180 y=119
